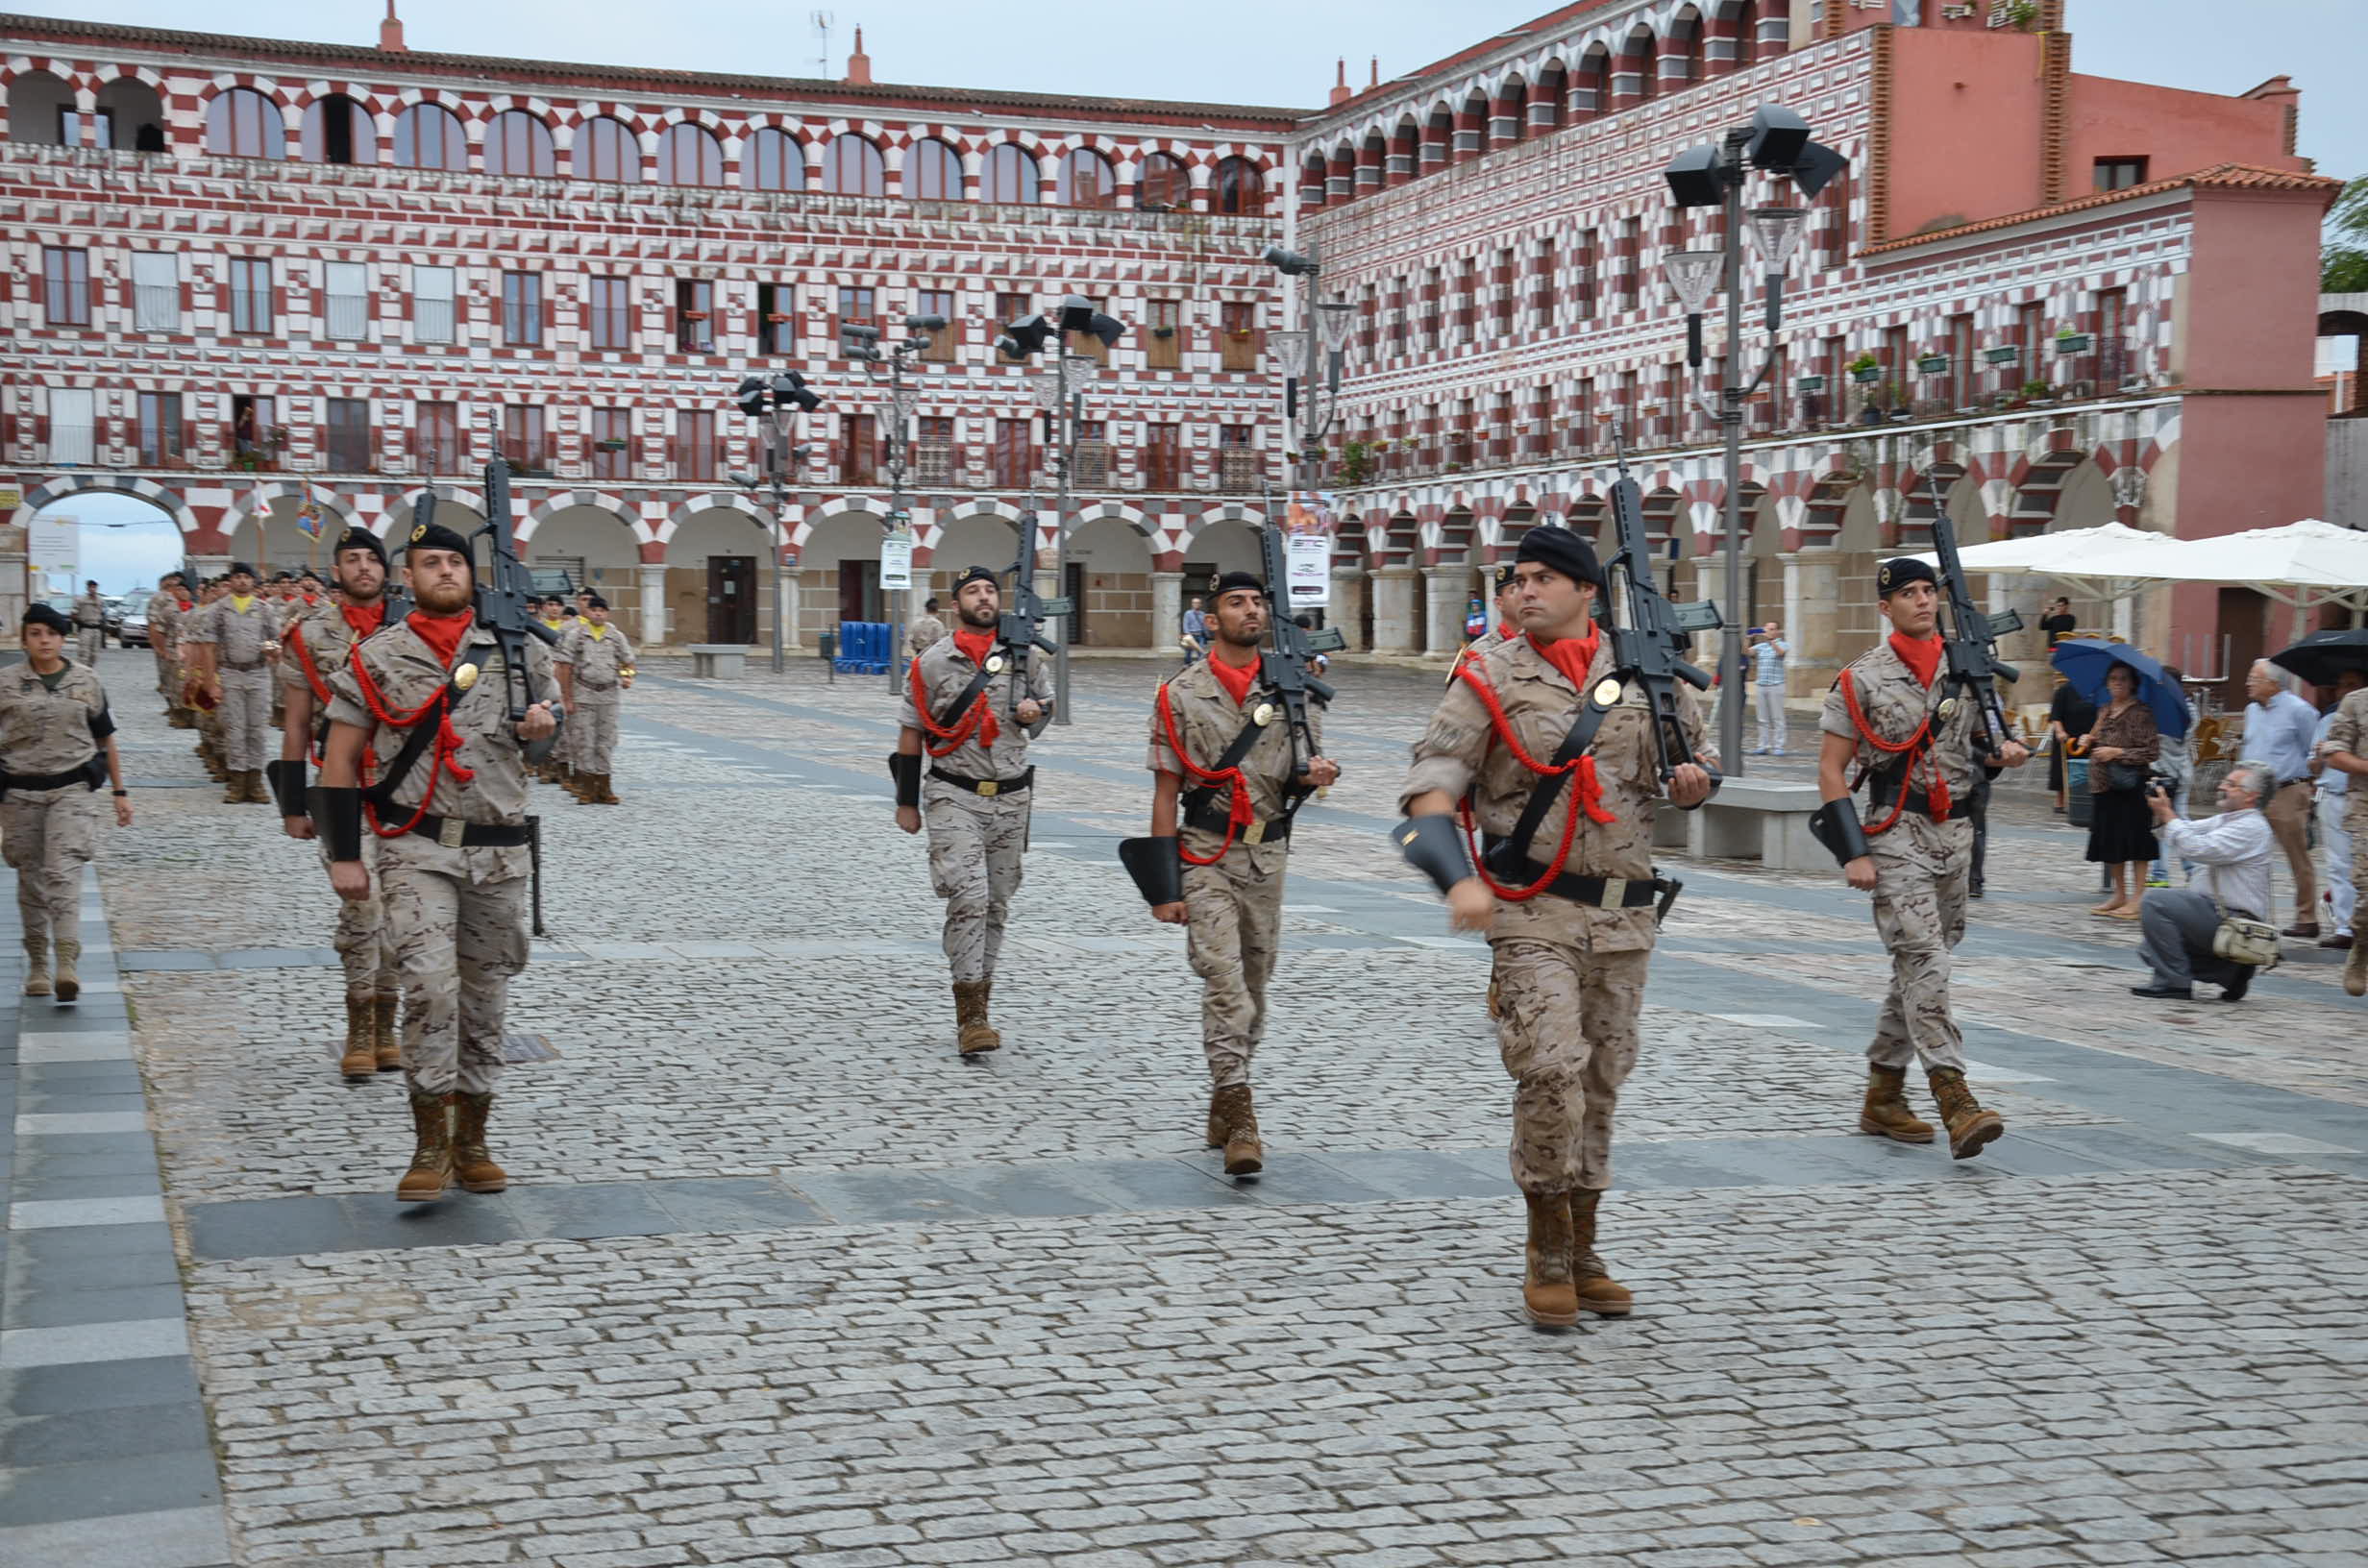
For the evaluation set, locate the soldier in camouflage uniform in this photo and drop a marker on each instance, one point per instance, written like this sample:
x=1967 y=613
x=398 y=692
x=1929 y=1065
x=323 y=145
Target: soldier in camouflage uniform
x=1503 y=627
x=976 y=795
x=925 y=631
x=316 y=650
x=1222 y=841
x=1892 y=717
x=57 y=739
x=1570 y=912
x=166 y=607
x=90 y=625
x=2346 y=749
x=454 y=879
x=235 y=639
x=601 y=663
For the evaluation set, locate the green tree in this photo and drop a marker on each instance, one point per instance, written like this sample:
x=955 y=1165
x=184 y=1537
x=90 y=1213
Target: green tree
x=2343 y=258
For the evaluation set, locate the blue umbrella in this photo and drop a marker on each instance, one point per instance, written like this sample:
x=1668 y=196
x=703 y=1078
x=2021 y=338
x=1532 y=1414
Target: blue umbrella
x=2086 y=665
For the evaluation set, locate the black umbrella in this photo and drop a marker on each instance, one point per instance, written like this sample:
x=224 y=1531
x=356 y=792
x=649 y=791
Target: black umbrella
x=2322 y=656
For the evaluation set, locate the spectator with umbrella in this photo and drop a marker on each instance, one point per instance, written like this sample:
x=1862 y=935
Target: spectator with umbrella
x=2335 y=662
x=2138 y=705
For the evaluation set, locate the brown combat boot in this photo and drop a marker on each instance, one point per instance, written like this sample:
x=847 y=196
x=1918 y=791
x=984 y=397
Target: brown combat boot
x=36 y=967
x=975 y=1036
x=234 y=787
x=431 y=1160
x=1886 y=1113
x=608 y=798
x=1549 y=1294
x=360 y=1060
x=385 y=1043
x=1245 y=1154
x=475 y=1168
x=69 y=985
x=1970 y=1127
x=2356 y=970
x=1598 y=1292
x=1220 y=1119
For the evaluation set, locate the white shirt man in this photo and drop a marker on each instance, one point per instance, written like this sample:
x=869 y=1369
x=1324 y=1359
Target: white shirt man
x=1768 y=688
x=2231 y=854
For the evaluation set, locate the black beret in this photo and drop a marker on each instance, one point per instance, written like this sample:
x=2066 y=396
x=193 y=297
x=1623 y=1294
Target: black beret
x=360 y=539
x=1563 y=552
x=43 y=615
x=596 y=603
x=1234 y=581
x=1504 y=577
x=435 y=536
x=1897 y=574
x=235 y=568
x=283 y=577
x=977 y=573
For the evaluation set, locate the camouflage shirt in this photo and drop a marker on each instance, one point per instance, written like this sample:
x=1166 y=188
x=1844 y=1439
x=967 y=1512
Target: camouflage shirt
x=405 y=673
x=42 y=732
x=239 y=639
x=945 y=672
x=1895 y=703
x=2350 y=733
x=1208 y=719
x=923 y=634
x=319 y=644
x=600 y=661
x=89 y=610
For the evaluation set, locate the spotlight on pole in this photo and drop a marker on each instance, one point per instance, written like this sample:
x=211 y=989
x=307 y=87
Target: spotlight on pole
x=1817 y=168
x=790 y=391
x=751 y=395
x=1694 y=178
x=1778 y=138
x=1290 y=264
x=1024 y=338
x=1078 y=315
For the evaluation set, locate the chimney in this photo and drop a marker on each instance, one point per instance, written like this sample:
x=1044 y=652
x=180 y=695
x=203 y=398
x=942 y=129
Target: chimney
x=390 y=30
x=860 y=64
x=1340 y=86
x=1375 y=80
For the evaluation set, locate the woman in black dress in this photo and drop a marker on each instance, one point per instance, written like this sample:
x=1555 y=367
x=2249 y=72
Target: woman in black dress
x=2121 y=834
x=2068 y=718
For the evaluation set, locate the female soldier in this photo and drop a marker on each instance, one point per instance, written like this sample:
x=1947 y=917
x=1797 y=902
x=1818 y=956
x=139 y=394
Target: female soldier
x=57 y=740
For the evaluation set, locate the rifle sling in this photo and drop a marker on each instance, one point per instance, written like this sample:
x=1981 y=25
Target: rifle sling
x=1197 y=799
x=381 y=795
x=963 y=700
x=1513 y=848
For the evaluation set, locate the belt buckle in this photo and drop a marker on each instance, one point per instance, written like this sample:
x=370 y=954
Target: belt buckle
x=1255 y=833
x=1615 y=893
x=990 y=787
x=450 y=831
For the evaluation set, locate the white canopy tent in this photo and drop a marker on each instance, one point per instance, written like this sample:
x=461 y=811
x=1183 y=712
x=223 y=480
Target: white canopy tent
x=2302 y=563
x=2065 y=559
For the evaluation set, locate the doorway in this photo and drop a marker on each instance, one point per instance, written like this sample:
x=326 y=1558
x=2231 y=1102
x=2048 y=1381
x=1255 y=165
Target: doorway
x=732 y=599
x=859 y=591
x=1073 y=584
x=2244 y=631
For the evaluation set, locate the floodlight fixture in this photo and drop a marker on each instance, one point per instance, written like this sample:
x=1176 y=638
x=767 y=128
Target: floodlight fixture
x=790 y=391
x=1024 y=338
x=1695 y=178
x=925 y=324
x=1818 y=167
x=1289 y=350
x=1290 y=264
x=1778 y=138
x=751 y=395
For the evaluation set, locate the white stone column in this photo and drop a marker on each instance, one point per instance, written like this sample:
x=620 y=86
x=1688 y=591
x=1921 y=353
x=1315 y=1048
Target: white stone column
x=1346 y=611
x=1813 y=579
x=1167 y=613
x=652 y=605
x=1394 y=610
x=1443 y=609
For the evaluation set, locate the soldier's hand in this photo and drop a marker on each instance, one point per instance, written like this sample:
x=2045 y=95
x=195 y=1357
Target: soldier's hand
x=2014 y=755
x=1030 y=710
x=538 y=724
x=298 y=827
x=1689 y=784
x=1470 y=906
x=349 y=880
x=1322 y=772
x=123 y=811
x=1175 y=914
x=1860 y=873
x=908 y=818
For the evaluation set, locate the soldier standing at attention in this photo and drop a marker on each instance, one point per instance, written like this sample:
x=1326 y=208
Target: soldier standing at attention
x=167 y=605
x=57 y=740
x=2346 y=752
x=926 y=629
x=236 y=637
x=428 y=698
x=601 y=664
x=319 y=646
x=1223 y=842
x=971 y=712
x=90 y=625
x=1916 y=738
x=1566 y=892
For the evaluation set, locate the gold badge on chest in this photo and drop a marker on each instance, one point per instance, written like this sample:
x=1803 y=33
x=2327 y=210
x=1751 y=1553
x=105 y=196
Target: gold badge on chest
x=1262 y=714
x=1947 y=709
x=995 y=664
x=465 y=676
x=1607 y=692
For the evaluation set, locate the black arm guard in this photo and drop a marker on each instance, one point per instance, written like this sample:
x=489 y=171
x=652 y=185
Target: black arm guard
x=1435 y=847
x=905 y=769
x=1157 y=865
x=1835 y=826
x=287 y=786
x=338 y=815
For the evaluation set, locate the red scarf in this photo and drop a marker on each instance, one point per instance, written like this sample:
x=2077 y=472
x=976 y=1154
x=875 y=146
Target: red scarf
x=186 y=604
x=1573 y=656
x=1504 y=630
x=975 y=642
x=366 y=618
x=1237 y=680
x=442 y=633
x=1921 y=656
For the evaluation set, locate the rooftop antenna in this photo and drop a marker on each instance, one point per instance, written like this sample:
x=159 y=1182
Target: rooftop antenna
x=823 y=22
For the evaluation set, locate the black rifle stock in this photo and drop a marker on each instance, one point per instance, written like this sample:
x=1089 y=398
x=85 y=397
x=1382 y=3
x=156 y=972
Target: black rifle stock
x=503 y=592
x=1020 y=630
x=1972 y=639
x=1649 y=634
x=1283 y=664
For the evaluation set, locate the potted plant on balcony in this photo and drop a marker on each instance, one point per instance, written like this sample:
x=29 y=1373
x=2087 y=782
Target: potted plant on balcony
x=2068 y=341
x=2038 y=394
x=2005 y=354
x=1866 y=370
x=610 y=443
x=1932 y=364
x=1163 y=332
x=1356 y=464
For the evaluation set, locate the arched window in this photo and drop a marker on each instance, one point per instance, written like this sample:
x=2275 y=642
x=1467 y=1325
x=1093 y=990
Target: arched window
x=933 y=172
x=1512 y=100
x=1547 y=109
x=1239 y=188
x=689 y=154
x=1010 y=174
x=1086 y=180
x=1591 y=93
x=1313 y=178
x=852 y=166
x=1165 y=185
x=1644 y=58
x=337 y=130
x=1686 y=43
x=608 y=149
x=429 y=136
x=131 y=116
x=41 y=105
x=517 y=142
x=242 y=123
x=774 y=161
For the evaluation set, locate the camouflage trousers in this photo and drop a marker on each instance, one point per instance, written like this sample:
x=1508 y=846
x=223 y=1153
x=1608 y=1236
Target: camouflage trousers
x=1567 y=1027
x=48 y=836
x=592 y=730
x=975 y=847
x=363 y=946
x=1921 y=915
x=246 y=709
x=1236 y=927
x=87 y=641
x=168 y=677
x=456 y=921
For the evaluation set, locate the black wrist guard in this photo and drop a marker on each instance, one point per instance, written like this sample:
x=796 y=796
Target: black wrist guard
x=338 y=815
x=287 y=786
x=1435 y=847
x=905 y=769
x=1835 y=826
x=1157 y=865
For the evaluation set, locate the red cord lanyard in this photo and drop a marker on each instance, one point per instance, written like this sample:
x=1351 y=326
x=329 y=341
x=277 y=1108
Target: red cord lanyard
x=1589 y=801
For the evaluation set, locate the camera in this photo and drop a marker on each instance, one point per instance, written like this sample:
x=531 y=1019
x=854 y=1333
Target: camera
x=2159 y=782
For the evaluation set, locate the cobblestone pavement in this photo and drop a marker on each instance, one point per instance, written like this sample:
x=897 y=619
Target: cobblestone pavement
x=782 y=1280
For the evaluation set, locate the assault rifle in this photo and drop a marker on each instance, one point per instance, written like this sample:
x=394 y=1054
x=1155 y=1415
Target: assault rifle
x=502 y=608
x=1650 y=636
x=1283 y=664
x=1020 y=632
x=1972 y=638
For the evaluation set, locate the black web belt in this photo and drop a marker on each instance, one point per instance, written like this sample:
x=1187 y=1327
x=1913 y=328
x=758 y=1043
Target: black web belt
x=86 y=775
x=989 y=787
x=1600 y=892
x=1878 y=805
x=455 y=834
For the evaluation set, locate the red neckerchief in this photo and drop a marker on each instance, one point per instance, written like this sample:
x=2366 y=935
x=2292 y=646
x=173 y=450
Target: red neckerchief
x=1237 y=681
x=1504 y=632
x=366 y=618
x=973 y=642
x=311 y=600
x=186 y=604
x=1573 y=656
x=442 y=633
x=1921 y=656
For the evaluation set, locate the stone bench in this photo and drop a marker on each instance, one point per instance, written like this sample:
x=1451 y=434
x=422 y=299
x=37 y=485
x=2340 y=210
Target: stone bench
x=719 y=661
x=1749 y=818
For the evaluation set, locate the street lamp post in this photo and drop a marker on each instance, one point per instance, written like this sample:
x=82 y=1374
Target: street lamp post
x=1311 y=353
x=862 y=343
x=774 y=402
x=1776 y=140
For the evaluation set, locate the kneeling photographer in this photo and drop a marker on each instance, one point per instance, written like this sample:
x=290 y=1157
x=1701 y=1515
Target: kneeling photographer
x=2182 y=941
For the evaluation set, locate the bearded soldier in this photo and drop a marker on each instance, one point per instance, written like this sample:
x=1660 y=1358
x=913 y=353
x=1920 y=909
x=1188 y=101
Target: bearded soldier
x=601 y=662
x=318 y=647
x=1217 y=847
x=427 y=703
x=1907 y=731
x=1543 y=745
x=235 y=639
x=971 y=712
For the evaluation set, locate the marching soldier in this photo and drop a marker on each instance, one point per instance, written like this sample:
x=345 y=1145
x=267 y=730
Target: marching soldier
x=57 y=740
x=1891 y=716
x=600 y=661
x=2346 y=749
x=319 y=646
x=90 y=625
x=166 y=607
x=1566 y=890
x=1504 y=627
x=925 y=631
x=235 y=639
x=1220 y=846
x=972 y=714
x=428 y=698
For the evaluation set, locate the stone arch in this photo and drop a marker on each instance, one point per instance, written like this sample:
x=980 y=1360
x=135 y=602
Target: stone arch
x=167 y=501
x=707 y=500
x=564 y=500
x=1826 y=503
x=976 y=534
x=451 y=501
x=2039 y=491
x=1230 y=552
x=37 y=99
x=138 y=110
